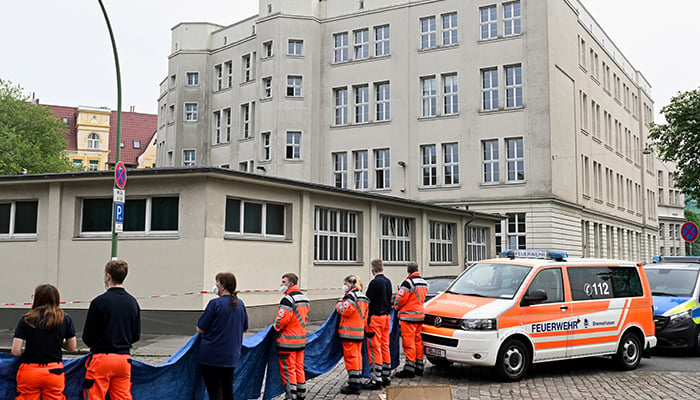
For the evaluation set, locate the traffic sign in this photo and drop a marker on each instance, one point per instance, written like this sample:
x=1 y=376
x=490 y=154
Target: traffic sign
x=120 y=175
x=119 y=213
x=119 y=195
x=689 y=231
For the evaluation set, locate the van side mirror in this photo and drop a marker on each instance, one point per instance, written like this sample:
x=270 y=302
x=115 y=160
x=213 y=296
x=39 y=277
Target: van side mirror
x=534 y=296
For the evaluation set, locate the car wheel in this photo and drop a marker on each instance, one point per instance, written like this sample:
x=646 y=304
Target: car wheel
x=513 y=361
x=439 y=362
x=697 y=340
x=629 y=354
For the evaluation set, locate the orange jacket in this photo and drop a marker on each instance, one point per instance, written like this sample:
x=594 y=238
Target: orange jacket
x=292 y=318
x=353 y=315
x=410 y=298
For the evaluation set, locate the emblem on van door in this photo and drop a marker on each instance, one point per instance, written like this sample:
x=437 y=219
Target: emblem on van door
x=438 y=321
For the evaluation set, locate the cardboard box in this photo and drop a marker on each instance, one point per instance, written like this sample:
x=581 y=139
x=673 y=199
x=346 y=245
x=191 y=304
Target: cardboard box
x=423 y=392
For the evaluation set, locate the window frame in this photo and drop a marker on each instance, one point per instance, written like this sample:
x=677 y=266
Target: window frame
x=341 y=49
x=361 y=96
x=514 y=75
x=147 y=223
x=383 y=101
x=361 y=47
x=295 y=83
x=340 y=107
x=428 y=86
x=518 y=159
x=295 y=47
x=429 y=167
x=352 y=234
x=294 y=145
x=394 y=239
x=264 y=215
x=361 y=169
x=450 y=94
x=450 y=30
x=428 y=33
x=382 y=41
x=191 y=111
x=382 y=169
x=489 y=89
x=12 y=218
x=441 y=242
x=189 y=161
x=491 y=23
x=192 y=78
x=512 y=22
x=340 y=169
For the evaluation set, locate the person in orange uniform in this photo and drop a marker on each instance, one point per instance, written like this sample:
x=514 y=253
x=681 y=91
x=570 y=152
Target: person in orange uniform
x=353 y=316
x=378 y=327
x=44 y=330
x=409 y=304
x=290 y=323
x=112 y=325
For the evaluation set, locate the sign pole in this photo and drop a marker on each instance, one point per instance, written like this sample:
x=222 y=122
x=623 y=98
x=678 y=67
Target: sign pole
x=119 y=121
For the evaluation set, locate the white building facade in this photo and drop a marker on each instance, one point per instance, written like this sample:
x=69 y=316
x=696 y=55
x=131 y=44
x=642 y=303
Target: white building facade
x=523 y=108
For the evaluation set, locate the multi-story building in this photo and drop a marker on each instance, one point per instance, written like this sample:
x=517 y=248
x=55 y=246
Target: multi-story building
x=524 y=108
x=671 y=210
x=92 y=137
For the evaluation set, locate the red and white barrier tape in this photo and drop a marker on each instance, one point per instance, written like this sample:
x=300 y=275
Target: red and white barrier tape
x=158 y=296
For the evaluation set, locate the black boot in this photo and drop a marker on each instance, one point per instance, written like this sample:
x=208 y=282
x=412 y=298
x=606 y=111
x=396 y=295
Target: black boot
x=404 y=373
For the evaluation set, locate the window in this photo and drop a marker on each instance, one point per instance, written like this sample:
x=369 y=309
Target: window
x=511 y=18
x=188 y=158
x=340 y=170
x=428 y=97
x=93 y=141
x=549 y=280
x=267 y=87
x=267 y=49
x=488 y=22
x=227 y=122
x=191 y=112
x=516 y=231
x=361 y=162
x=361 y=44
x=340 y=47
x=229 y=73
x=18 y=218
x=255 y=218
x=382 y=41
x=491 y=168
x=218 y=73
x=589 y=283
x=335 y=235
x=451 y=94
x=449 y=29
x=266 y=146
x=193 y=79
x=515 y=160
x=429 y=165
x=243 y=166
x=361 y=104
x=78 y=164
x=489 y=89
x=341 y=106
x=441 y=242
x=145 y=215
x=382 y=169
x=217 y=127
x=293 y=145
x=93 y=165
x=395 y=238
x=247 y=68
x=293 y=86
x=450 y=153
x=245 y=121
x=514 y=86
x=428 y=36
x=476 y=244
x=383 y=101
x=136 y=144
x=294 y=47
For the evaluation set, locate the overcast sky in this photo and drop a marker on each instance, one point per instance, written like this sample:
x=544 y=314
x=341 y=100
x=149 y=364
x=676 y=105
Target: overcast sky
x=60 y=49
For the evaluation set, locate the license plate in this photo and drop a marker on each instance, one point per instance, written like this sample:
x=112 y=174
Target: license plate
x=435 y=352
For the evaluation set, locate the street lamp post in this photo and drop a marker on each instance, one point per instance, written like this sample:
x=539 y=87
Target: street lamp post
x=119 y=117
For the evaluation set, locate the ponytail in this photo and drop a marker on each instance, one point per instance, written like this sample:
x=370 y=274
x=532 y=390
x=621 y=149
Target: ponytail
x=228 y=281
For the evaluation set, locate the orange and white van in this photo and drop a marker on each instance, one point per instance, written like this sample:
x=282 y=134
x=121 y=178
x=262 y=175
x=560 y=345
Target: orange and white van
x=535 y=306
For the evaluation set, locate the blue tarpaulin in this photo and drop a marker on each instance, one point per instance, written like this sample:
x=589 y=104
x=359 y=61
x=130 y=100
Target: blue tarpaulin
x=178 y=378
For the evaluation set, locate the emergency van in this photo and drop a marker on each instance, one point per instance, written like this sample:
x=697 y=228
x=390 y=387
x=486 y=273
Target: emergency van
x=534 y=306
x=675 y=287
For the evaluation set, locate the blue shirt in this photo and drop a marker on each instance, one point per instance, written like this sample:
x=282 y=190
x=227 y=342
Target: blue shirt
x=223 y=328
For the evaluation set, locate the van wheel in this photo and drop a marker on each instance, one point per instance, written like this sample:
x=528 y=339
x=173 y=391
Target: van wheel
x=629 y=354
x=439 y=362
x=697 y=340
x=513 y=361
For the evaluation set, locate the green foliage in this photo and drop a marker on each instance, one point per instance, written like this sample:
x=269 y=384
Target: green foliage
x=31 y=137
x=679 y=140
x=695 y=250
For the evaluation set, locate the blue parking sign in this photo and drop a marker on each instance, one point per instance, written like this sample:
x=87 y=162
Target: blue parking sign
x=119 y=213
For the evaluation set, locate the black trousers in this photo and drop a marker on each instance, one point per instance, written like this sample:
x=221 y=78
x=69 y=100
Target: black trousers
x=219 y=382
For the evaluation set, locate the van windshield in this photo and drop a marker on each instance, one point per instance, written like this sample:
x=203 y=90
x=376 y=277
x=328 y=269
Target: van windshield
x=490 y=280
x=672 y=282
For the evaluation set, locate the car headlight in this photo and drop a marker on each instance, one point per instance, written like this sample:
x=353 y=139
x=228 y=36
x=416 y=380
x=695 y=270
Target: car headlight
x=479 y=325
x=681 y=317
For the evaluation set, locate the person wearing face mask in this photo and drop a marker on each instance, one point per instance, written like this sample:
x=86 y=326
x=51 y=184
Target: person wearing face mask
x=290 y=324
x=221 y=326
x=353 y=316
x=112 y=325
x=378 y=327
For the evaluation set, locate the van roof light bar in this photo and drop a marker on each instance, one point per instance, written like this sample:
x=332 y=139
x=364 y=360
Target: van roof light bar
x=537 y=254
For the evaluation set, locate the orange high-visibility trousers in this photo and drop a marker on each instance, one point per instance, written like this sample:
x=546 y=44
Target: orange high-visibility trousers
x=41 y=381
x=378 y=346
x=107 y=373
x=292 y=371
x=412 y=341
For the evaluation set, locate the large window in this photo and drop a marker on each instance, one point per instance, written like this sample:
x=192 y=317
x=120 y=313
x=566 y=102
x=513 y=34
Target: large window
x=93 y=141
x=383 y=101
x=361 y=48
x=382 y=159
x=516 y=231
x=266 y=148
x=382 y=40
x=428 y=97
x=490 y=150
x=255 y=218
x=293 y=86
x=340 y=170
x=489 y=22
x=293 y=146
x=428 y=36
x=476 y=244
x=294 y=47
x=217 y=127
x=191 y=112
x=450 y=91
x=589 y=283
x=193 y=79
x=450 y=153
x=361 y=173
x=335 y=235
x=449 y=29
x=441 y=242
x=361 y=104
x=340 y=47
x=395 y=237
x=429 y=164
x=511 y=18
x=144 y=215
x=227 y=122
x=489 y=89
x=341 y=106
x=18 y=218
x=515 y=159
x=189 y=158
x=245 y=121
x=514 y=86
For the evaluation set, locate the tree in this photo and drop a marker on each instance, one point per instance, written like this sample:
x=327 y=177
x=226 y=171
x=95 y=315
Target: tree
x=31 y=137
x=679 y=140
